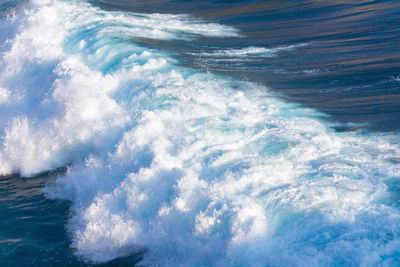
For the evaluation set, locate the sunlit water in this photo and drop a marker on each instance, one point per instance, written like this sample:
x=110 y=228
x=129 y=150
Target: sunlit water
x=249 y=133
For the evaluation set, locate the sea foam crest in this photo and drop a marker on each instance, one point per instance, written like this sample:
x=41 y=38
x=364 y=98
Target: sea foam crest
x=59 y=74
x=253 y=51
x=192 y=168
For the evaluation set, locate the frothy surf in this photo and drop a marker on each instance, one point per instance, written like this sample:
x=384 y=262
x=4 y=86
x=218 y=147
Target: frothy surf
x=252 y=51
x=193 y=168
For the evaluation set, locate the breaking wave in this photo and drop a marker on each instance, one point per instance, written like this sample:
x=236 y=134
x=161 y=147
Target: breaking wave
x=190 y=167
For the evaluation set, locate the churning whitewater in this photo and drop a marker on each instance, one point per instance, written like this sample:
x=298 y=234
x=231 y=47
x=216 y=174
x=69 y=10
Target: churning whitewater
x=191 y=168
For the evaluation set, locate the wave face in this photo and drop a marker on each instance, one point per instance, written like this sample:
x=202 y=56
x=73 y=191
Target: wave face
x=192 y=168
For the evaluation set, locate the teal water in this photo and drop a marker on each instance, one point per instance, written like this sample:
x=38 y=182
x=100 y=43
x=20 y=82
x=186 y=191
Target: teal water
x=33 y=227
x=251 y=133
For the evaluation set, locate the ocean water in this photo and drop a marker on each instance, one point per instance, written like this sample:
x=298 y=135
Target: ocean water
x=187 y=133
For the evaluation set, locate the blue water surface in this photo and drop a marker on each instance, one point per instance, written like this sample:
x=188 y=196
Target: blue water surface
x=341 y=58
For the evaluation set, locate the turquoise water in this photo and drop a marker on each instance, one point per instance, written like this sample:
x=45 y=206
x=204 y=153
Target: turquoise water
x=249 y=133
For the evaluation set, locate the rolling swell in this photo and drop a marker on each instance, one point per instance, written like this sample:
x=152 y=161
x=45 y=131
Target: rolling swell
x=348 y=70
x=192 y=168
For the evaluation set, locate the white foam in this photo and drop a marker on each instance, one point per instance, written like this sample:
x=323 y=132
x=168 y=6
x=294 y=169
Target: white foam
x=4 y=95
x=395 y=78
x=59 y=92
x=193 y=168
x=253 y=51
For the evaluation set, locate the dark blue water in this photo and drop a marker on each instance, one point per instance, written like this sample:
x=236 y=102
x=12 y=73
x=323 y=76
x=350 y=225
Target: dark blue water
x=349 y=69
x=32 y=227
x=338 y=57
